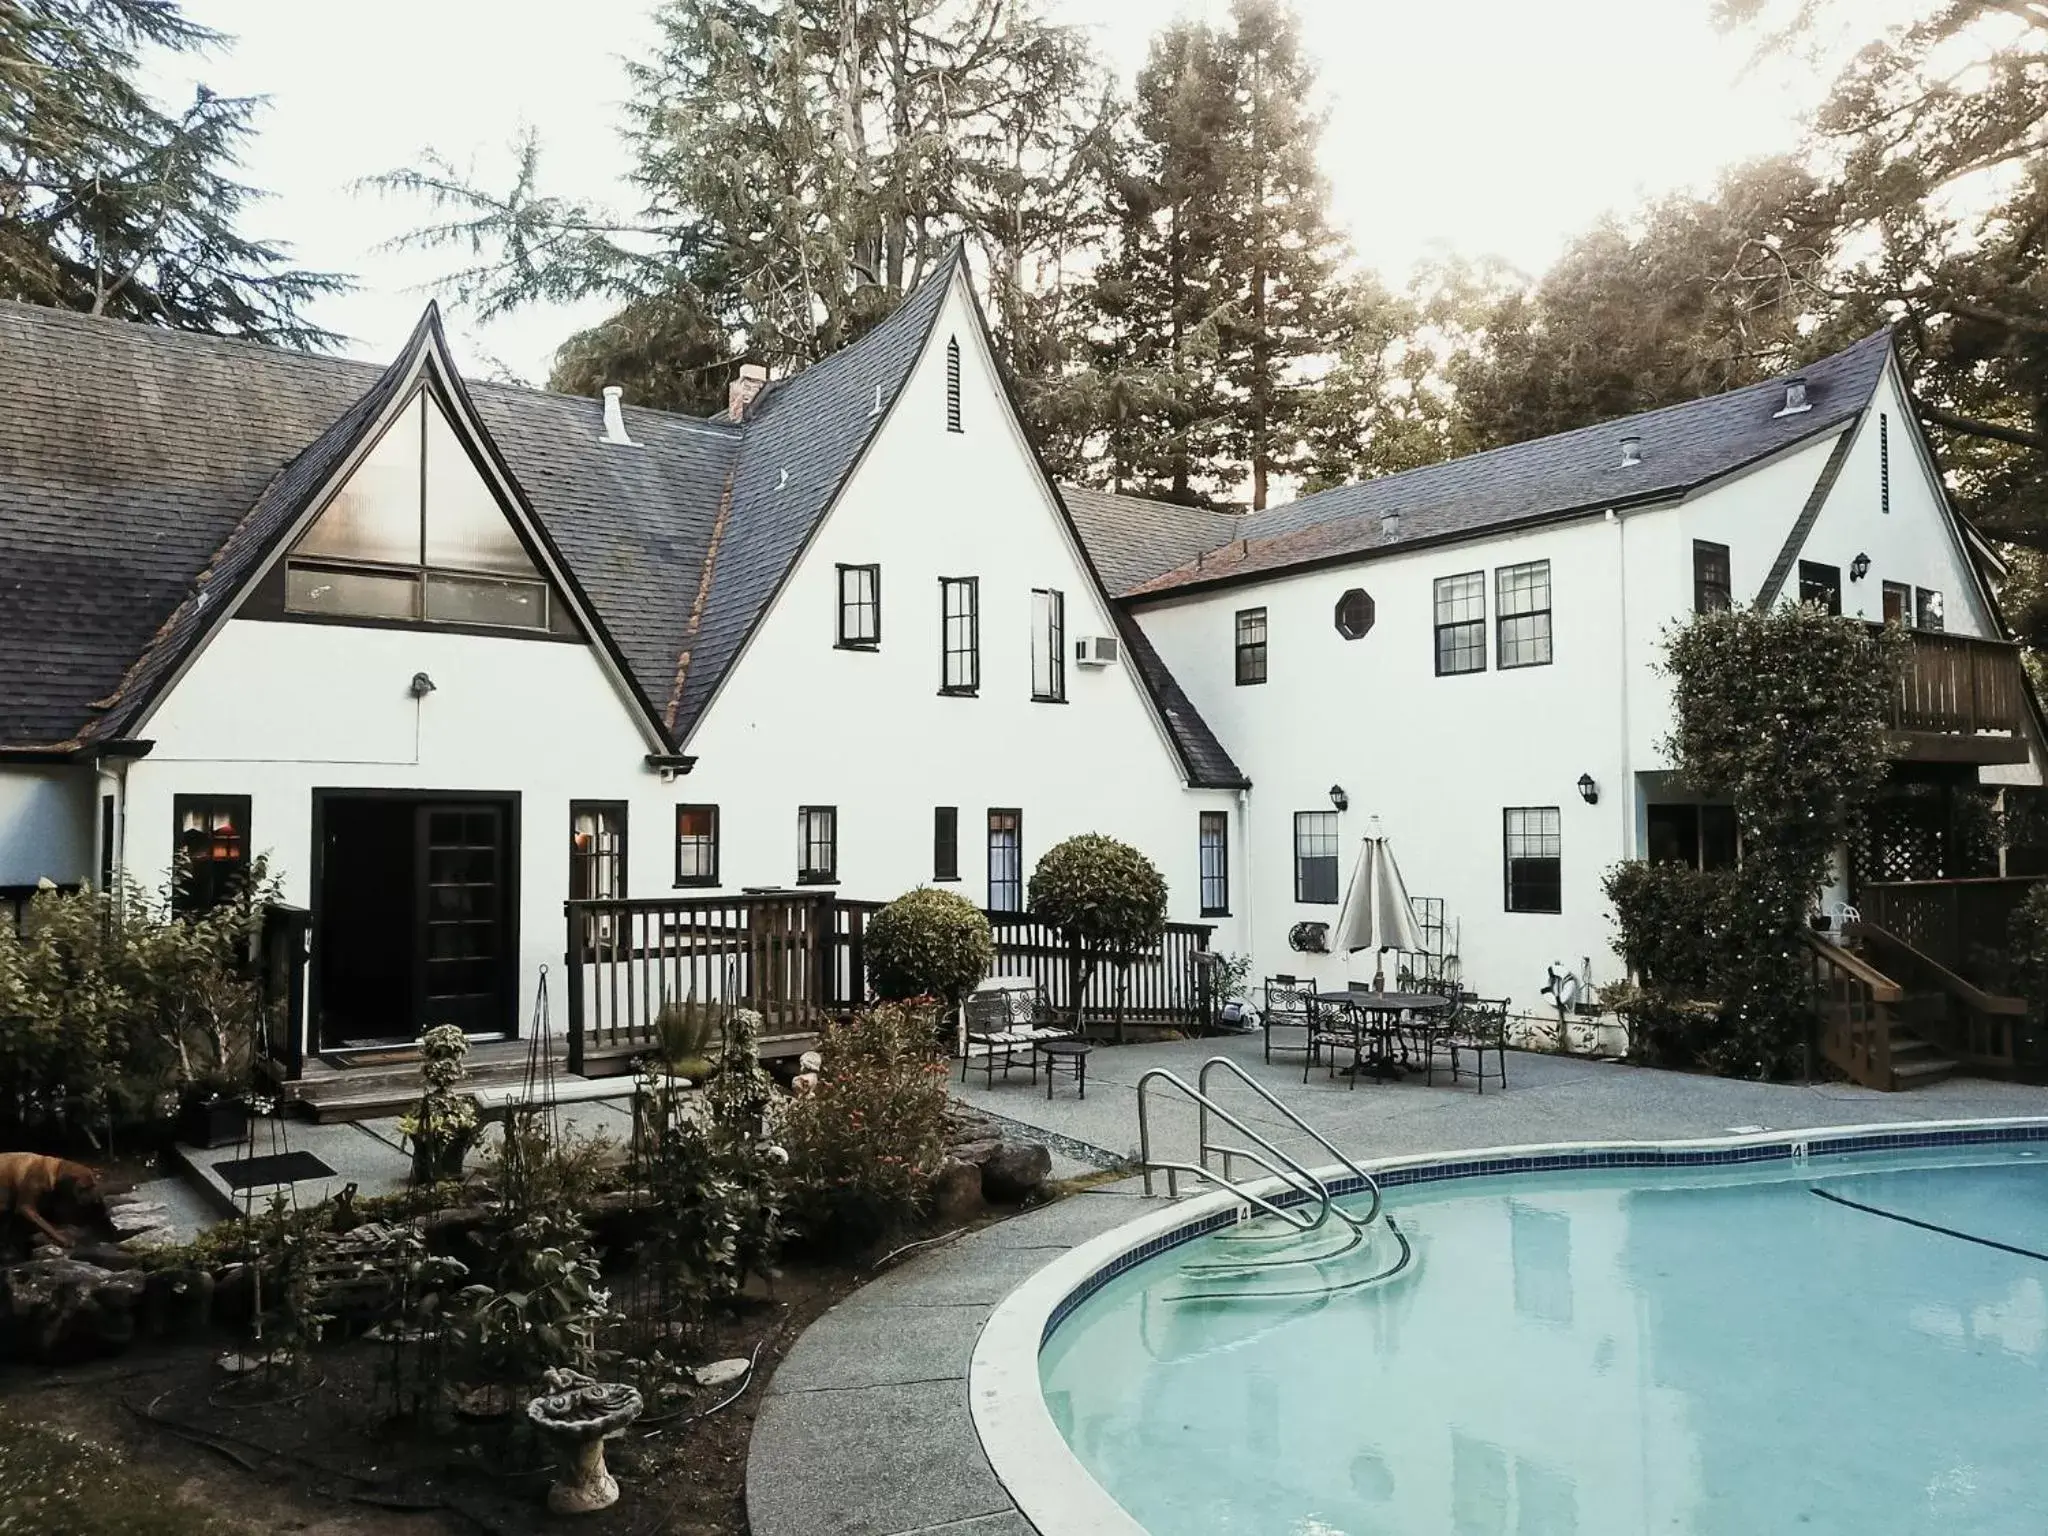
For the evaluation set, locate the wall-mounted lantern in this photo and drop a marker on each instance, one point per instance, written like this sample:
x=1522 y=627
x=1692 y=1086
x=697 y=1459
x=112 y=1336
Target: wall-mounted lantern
x=1338 y=798
x=1588 y=790
x=1859 y=567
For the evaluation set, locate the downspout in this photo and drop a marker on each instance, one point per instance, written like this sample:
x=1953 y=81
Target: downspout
x=1628 y=778
x=1244 y=837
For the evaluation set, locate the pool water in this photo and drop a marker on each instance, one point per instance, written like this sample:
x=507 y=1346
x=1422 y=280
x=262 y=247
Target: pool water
x=1695 y=1352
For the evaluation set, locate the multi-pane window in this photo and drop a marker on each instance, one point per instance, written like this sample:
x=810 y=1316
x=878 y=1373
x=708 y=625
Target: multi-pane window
x=1251 y=646
x=1006 y=861
x=415 y=533
x=817 y=844
x=959 y=634
x=1049 y=646
x=1898 y=603
x=1534 y=857
x=597 y=850
x=1821 y=584
x=1215 y=863
x=1461 y=623
x=1713 y=587
x=1928 y=604
x=212 y=845
x=952 y=384
x=1315 y=857
x=945 y=842
x=1523 y=614
x=696 y=845
x=860 y=606
x=1701 y=836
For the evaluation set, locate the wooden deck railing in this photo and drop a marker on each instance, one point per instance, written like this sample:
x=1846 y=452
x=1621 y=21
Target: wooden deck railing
x=1956 y=923
x=1980 y=1029
x=1854 y=1002
x=798 y=958
x=1955 y=684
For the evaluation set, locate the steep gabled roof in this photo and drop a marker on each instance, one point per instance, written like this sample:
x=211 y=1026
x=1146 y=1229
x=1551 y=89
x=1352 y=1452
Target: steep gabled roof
x=1133 y=540
x=1684 y=447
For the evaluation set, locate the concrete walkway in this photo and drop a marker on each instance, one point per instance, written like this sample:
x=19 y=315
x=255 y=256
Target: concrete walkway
x=865 y=1428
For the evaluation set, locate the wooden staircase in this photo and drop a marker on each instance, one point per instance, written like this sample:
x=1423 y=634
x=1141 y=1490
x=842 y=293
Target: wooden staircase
x=1910 y=1024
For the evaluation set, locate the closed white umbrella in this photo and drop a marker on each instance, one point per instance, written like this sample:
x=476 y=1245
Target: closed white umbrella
x=1376 y=914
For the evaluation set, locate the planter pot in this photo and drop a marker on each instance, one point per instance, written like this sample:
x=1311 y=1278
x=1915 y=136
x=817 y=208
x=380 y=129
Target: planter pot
x=435 y=1161
x=213 y=1122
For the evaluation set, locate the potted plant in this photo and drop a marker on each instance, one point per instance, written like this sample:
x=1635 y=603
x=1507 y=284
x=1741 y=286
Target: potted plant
x=443 y=1126
x=213 y=1111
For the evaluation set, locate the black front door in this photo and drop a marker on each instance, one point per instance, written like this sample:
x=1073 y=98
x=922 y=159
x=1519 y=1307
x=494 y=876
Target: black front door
x=414 y=920
x=464 y=949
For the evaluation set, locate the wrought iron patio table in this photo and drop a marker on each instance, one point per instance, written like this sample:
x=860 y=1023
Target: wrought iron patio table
x=1384 y=1009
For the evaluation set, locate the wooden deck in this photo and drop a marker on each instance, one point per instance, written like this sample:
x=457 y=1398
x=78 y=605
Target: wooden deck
x=1960 y=700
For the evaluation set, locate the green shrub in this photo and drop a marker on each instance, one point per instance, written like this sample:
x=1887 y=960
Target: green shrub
x=1107 y=897
x=1673 y=923
x=443 y=1124
x=686 y=1030
x=2027 y=948
x=865 y=1143
x=928 y=943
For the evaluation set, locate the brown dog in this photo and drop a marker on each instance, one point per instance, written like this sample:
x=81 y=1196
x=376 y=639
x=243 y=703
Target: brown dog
x=29 y=1181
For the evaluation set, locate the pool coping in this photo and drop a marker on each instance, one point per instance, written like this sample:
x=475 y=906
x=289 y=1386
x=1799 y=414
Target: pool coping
x=1039 y=1470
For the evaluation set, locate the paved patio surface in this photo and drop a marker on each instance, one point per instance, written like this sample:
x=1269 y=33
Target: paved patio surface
x=865 y=1429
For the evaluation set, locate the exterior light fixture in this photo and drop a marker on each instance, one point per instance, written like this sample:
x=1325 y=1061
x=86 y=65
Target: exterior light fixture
x=1338 y=798
x=1588 y=790
x=1859 y=567
x=421 y=685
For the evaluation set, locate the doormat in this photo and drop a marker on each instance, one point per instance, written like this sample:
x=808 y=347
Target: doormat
x=278 y=1168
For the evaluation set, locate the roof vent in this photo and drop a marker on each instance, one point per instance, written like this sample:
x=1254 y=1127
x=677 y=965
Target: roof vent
x=615 y=416
x=1390 y=525
x=1795 y=397
x=739 y=395
x=1631 y=452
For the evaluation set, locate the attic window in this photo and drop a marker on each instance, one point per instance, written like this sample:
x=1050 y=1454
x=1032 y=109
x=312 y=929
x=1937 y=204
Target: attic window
x=416 y=534
x=952 y=383
x=1355 y=614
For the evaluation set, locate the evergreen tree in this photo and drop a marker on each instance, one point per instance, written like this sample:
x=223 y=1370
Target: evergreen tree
x=111 y=205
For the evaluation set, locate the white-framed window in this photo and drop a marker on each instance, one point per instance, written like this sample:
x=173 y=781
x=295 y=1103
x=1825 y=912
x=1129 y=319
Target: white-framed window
x=1522 y=603
x=1048 y=646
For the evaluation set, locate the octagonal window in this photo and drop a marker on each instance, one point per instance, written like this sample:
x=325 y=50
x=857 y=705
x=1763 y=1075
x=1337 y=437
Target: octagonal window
x=1355 y=613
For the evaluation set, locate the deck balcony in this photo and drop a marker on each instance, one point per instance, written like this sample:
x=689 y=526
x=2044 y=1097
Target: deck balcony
x=1961 y=700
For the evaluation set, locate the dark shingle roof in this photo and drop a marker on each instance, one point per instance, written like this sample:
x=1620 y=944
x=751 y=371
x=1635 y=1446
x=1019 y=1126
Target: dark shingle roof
x=1683 y=447
x=1133 y=540
x=1202 y=757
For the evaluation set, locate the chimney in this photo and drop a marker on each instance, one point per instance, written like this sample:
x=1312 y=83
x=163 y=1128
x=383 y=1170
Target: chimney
x=1795 y=396
x=753 y=378
x=615 y=417
x=1631 y=452
x=1390 y=526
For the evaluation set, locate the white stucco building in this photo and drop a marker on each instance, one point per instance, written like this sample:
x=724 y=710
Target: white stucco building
x=451 y=653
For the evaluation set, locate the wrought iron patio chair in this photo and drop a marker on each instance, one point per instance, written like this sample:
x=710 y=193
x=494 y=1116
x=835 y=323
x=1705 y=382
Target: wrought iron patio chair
x=1003 y=1026
x=1289 y=1002
x=1422 y=1034
x=1334 y=1030
x=1481 y=1026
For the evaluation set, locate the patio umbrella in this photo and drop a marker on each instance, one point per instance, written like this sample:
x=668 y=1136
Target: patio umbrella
x=1376 y=914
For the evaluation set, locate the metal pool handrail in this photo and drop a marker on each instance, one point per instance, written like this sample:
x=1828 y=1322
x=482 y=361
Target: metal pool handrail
x=1288 y=1171
x=1204 y=1103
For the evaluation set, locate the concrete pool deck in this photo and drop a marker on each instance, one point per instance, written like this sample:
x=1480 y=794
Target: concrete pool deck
x=865 y=1428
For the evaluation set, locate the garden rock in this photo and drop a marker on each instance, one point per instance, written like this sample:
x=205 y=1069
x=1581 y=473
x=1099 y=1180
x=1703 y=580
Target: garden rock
x=1015 y=1171
x=956 y=1192
x=154 y=1237
x=977 y=1152
x=721 y=1373
x=59 y=1309
x=103 y=1255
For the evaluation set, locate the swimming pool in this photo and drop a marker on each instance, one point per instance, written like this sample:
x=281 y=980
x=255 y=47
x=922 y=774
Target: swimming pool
x=1833 y=1337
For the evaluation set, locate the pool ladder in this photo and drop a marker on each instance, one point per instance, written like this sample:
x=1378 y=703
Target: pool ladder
x=1303 y=1206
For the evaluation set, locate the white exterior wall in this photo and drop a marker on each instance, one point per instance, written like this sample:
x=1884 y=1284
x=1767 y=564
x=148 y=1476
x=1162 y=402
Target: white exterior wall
x=274 y=710
x=1438 y=759
x=48 y=826
x=800 y=722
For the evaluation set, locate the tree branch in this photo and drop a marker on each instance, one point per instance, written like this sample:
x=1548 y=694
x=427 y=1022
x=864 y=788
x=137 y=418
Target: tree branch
x=1969 y=426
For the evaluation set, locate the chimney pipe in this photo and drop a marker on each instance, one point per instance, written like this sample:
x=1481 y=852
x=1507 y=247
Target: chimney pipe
x=739 y=395
x=1795 y=396
x=1390 y=525
x=615 y=417
x=1631 y=452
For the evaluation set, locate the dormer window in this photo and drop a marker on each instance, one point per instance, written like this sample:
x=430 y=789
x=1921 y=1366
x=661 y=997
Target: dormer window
x=415 y=534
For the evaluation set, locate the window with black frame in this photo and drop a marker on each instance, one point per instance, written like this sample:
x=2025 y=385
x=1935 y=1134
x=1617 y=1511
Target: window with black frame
x=1698 y=836
x=1315 y=858
x=1251 y=646
x=1821 y=585
x=817 y=837
x=597 y=850
x=1928 y=604
x=960 y=635
x=696 y=845
x=1534 y=857
x=1006 y=861
x=946 y=842
x=1048 y=646
x=212 y=845
x=1215 y=863
x=1461 y=623
x=1898 y=604
x=860 y=607
x=1522 y=608
x=1713 y=586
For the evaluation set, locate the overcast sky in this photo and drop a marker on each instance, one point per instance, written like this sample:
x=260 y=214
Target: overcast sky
x=1491 y=126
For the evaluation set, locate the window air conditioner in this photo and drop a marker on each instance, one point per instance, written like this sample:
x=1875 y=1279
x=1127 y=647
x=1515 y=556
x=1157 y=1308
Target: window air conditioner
x=1096 y=651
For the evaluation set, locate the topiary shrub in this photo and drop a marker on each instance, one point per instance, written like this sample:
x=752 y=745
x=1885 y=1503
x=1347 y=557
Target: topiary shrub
x=928 y=943
x=2027 y=945
x=1109 y=900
